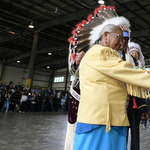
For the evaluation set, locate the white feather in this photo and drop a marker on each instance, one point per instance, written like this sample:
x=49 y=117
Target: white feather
x=141 y=58
x=95 y=34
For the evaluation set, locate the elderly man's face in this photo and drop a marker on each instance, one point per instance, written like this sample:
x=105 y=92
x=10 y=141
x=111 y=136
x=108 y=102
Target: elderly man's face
x=113 y=41
x=124 y=45
x=135 y=54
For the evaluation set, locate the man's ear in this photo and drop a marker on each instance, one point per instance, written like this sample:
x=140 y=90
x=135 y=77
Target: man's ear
x=105 y=35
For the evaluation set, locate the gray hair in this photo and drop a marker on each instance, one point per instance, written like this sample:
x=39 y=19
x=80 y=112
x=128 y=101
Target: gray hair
x=108 y=28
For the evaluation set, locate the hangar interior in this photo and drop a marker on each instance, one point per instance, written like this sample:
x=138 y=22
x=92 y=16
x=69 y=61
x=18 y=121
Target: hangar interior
x=53 y=22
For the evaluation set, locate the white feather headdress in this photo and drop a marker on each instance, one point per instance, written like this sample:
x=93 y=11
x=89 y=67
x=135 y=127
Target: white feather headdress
x=122 y=21
x=88 y=31
x=136 y=47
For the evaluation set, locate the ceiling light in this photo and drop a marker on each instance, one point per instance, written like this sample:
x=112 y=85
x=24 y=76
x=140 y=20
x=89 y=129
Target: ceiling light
x=11 y=32
x=56 y=11
x=31 y=25
x=18 y=61
x=48 y=67
x=49 y=53
x=101 y=2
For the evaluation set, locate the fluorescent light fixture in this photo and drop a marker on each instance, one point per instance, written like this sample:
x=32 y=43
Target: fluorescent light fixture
x=48 y=67
x=49 y=53
x=31 y=25
x=11 y=32
x=18 y=61
x=101 y=2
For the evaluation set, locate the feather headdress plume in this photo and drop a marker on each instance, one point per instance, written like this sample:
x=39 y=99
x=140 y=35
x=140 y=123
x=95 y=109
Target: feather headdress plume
x=88 y=31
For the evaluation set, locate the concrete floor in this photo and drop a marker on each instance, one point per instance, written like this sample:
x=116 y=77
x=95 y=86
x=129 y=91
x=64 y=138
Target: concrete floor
x=32 y=131
x=145 y=138
x=41 y=131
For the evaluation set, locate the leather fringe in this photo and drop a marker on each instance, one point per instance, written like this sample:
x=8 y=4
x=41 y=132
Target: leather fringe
x=137 y=91
x=106 y=53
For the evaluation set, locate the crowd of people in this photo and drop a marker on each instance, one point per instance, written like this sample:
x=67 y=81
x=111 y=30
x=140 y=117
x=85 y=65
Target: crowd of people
x=34 y=99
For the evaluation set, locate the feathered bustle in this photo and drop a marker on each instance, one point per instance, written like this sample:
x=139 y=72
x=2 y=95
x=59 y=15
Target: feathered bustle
x=74 y=32
x=84 y=22
x=88 y=31
x=102 y=7
x=72 y=40
x=89 y=17
x=79 y=25
x=96 y=10
x=73 y=57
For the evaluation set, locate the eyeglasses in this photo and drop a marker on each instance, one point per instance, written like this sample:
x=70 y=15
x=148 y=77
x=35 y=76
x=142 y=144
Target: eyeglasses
x=120 y=38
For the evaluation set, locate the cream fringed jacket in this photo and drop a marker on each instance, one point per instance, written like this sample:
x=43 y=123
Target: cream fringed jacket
x=105 y=81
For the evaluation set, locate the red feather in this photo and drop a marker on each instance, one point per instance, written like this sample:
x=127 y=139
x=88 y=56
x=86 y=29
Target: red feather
x=72 y=40
x=89 y=17
x=79 y=26
x=73 y=57
x=96 y=10
x=112 y=7
x=84 y=22
x=74 y=32
x=102 y=7
x=108 y=7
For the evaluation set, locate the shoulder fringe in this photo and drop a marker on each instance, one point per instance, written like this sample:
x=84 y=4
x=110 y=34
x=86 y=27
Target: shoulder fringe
x=137 y=91
x=133 y=90
x=108 y=52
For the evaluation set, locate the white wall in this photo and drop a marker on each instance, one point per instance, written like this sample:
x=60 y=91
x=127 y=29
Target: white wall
x=17 y=74
x=40 y=78
x=14 y=74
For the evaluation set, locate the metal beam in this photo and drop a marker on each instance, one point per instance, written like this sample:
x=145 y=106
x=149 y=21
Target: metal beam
x=60 y=20
x=147 y=60
x=113 y=3
x=63 y=19
x=44 y=50
x=32 y=58
x=140 y=33
x=14 y=36
x=134 y=34
x=54 y=22
x=50 y=63
x=144 y=20
x=145 y=50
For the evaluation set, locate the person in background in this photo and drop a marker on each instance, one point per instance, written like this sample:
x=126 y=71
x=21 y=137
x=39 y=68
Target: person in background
x=43 y=109
x=1 y=84
x=148 y=107
x=66 y=104
x=63 y=101
x=137 y=108
x=18 y=86
x=33 y=102
x=16 y=108
x=55 y=105
x=59 y=100
x=4 y=86
x=23 y=101
x=7 y=102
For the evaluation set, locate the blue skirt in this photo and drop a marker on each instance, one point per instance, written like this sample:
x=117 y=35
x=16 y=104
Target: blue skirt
x=98 y=139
